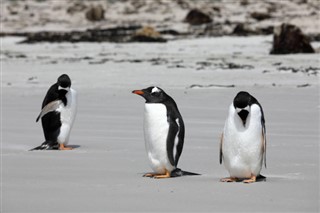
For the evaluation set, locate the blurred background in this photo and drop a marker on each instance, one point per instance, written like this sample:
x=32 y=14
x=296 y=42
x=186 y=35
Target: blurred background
x=155 y=20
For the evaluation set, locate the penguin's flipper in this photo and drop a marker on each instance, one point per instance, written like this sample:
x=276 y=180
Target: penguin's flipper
x=221 y=154
x=264 y=145
x=178 y=173
x=174 y=128
x=47 y=145
x=52 y=106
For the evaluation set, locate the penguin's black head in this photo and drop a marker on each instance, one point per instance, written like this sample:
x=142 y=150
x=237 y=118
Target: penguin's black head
x=152 y=94
x=242 y=103
x=64 y=82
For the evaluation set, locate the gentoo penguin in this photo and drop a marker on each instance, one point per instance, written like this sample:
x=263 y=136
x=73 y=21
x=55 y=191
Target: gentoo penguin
x=163 y=133
x=59 y=109
x=243 y=142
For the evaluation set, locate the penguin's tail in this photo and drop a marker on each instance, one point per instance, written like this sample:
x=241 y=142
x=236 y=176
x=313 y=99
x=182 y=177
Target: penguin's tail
x=47 y=145
x=178 y=173
x=261 y=178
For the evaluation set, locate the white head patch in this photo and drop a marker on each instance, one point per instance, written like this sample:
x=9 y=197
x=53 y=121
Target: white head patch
x=155 y=89
x=64 y=88
x=239 y=109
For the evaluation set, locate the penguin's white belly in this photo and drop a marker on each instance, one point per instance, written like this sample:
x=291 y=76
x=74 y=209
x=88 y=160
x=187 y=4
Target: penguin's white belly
x=67 y=116
x=242 y=147
x=156 y=128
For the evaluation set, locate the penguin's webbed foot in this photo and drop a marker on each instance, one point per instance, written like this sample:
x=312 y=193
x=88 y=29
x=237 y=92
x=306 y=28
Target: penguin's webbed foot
x=250 y=180
x=228 y=179
x=158 y=176
x=63 y=147
x=151 y=175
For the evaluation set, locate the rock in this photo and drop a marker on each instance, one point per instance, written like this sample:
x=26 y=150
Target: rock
x=288 y=39
x=95 y=13
x=116 y=34
x=260 y=16
x=242 y=30
x=197 y=17
x=147 y=34
x=244 y=2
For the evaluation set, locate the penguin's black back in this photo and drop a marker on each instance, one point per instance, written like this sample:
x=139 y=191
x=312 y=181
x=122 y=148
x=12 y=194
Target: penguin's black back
x=51 y=122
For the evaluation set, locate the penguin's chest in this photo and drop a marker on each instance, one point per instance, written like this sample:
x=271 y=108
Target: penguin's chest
x=67 y=116
x=68 y=112
x=156 y=128
x=242 y=150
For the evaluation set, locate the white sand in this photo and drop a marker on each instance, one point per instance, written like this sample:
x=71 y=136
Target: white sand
x=104 y=174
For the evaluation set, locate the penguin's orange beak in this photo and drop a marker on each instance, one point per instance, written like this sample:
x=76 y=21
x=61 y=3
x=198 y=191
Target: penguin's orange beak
x=138 y=92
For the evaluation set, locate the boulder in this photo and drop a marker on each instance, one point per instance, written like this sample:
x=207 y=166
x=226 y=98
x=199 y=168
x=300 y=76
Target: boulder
x=288 y=39
x=242 y=29
x=260 y=16
x=197 y=17
x=95 y=13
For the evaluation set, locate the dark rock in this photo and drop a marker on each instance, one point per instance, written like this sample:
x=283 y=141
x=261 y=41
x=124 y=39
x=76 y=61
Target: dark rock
x=288 y=39
x=133 y=33
x=266 y=30
x=116 y=34
x=170 y=32
x=314 y=37
x=303 y=85
x=95 y=13
x=242 y=30
x=244 y=2
x=216 y=9
x=197 y=17
x=260 y=16
x=277 y=64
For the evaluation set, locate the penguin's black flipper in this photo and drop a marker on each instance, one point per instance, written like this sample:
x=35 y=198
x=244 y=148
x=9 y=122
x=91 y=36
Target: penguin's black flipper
x=47 y=145
x=178 y=173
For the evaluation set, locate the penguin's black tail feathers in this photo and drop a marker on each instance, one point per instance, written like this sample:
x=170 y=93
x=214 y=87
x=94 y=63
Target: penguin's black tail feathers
x=178 y=173
x=47 y=145
x=261 y=178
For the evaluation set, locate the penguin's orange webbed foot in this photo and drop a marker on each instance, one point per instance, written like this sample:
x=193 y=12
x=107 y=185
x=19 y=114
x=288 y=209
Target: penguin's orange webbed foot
x=228 y=179
x=167 y=175
x=149 y=175
x=63 y=147
x=250 y=180
x=157 y=176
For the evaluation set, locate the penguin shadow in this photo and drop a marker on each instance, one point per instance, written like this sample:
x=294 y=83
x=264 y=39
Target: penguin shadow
x=74 y=146
x=53 y=148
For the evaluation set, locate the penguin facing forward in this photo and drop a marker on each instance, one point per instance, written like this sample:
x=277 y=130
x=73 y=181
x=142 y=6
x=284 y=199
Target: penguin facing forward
x=58 y=113
x=163 y=133
x=243 y=142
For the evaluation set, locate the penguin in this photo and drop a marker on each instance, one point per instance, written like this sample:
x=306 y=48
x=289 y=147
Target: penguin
x=163 y=133
x=243 y=142
x=57 y=115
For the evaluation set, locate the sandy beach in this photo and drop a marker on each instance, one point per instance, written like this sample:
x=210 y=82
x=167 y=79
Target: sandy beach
x=104 y=171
